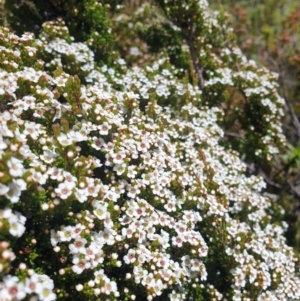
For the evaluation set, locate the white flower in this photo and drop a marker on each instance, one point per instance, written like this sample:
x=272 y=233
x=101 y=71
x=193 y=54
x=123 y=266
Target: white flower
x=5 y=131
x=32 y=284
x=54 y=172
x=79 y=265
x=16 y=168
x=119 y=157
x=79 y=287
x=130 y=257
x=64 y=140
x=3 y=145
x=14 y=192
x=39 y=177
x=120 y=168
x=78 y=246
x=16 y=224
x=7 y=213
x=134 y=51
x=131 y=173
x=128 y=232
x=81 y=194
x=46 y=291
x=149 y=280
x=66 y=233
x=55 y=239
x=110 y=287
x=143 y=146
x=69 y=179
x=13 y=289
x=64 y=190
x=48 y=156
x=21 y=184
x=3 y=189
x=158 y=287
x=104 y=128
x=177 y=241
x=133 y=191
x=139 y=273
x=32 y=129
x=28 y=101
x=170 y=206
x=107 y=236
x=98 y=143
x=101 y=211
x=196 y=265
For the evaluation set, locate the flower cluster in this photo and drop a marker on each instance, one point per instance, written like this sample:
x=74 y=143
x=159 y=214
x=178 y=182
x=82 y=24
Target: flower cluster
x=227 y=78
x=120 y=188
x=14 y=289
x=56 y=42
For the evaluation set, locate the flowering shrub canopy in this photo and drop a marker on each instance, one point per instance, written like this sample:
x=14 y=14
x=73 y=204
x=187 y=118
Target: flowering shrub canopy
x=114 y=185
x=189 y=34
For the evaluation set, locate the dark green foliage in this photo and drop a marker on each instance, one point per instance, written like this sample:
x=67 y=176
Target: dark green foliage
x=86 y=19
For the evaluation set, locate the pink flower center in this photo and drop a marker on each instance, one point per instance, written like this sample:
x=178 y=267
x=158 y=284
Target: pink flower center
x=13 y=291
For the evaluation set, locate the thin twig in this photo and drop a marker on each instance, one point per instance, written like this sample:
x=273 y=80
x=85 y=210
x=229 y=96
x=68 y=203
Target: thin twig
x=290 y=109
x=295 y=189
x=227 y=133
x=190 y=39
x=268 y=180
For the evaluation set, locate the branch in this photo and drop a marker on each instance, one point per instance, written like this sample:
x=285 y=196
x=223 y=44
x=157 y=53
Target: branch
x=190 y=39
x=296 y=122
x=260 y=172
x=290 y=109
x=232 y=134
x=268 y=180
x=295 y=189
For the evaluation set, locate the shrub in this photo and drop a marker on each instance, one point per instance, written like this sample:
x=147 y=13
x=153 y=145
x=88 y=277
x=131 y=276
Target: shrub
x=268 y=31
x=86 y=20
x=199 y=43
x=115 y=186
